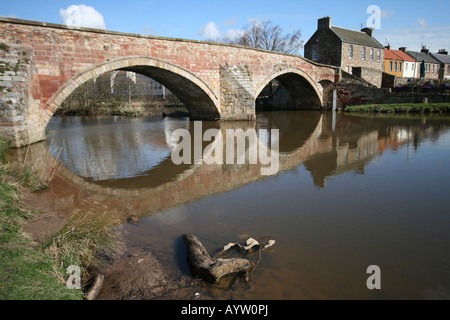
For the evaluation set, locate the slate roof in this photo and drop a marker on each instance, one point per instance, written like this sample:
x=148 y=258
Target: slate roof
x=442 y=57
x=420 y=56
x=356 y=37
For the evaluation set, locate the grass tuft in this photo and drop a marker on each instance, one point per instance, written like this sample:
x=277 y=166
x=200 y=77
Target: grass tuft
x=90 y=239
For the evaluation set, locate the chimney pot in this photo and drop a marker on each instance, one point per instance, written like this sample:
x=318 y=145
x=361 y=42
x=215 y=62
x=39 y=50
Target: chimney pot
x=425 y=50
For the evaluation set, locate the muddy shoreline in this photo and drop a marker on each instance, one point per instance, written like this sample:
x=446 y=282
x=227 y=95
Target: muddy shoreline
x=137 y=275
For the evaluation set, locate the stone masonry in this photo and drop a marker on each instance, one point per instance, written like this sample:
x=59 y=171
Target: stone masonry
x=42 y=63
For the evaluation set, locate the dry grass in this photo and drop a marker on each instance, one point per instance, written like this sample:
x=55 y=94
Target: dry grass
x=90 y=239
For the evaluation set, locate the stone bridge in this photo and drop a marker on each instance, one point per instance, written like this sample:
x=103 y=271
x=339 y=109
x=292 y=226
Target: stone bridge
x=41 y=64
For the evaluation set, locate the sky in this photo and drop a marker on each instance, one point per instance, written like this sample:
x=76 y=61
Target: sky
x=401 y=23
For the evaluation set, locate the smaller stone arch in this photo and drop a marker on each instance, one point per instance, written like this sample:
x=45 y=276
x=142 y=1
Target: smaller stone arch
x=187 y=86
x=293 y=78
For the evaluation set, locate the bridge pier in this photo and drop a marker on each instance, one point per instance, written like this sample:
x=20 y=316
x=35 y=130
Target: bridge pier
x=237 y=95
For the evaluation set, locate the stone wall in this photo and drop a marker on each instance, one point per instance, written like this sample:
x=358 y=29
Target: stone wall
x=372 y=76
x=354 y=91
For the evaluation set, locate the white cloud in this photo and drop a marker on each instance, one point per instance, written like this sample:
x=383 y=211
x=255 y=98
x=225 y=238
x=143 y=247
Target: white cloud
x=13 y=16
x=148 y=30
x=230 y=22
x=422 y=22
x=254 y=22
x=434 y=37
x=387 y=14
x=234 y=33
x=82 y=16
x=210 y=31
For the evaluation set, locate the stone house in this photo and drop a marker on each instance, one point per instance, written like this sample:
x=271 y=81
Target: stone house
x=444 y=59
x=355 y=52
x=432 y=66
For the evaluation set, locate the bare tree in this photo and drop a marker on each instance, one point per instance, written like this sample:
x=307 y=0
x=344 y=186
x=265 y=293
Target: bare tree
x=265 y=35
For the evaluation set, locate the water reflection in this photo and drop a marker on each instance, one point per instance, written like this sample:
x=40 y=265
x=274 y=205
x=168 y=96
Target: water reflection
x=130 y=157
x=351 y=192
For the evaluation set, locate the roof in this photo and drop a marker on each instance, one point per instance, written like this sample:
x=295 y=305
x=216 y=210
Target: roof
x=420 y=56
x=390 y=55
x=442 y=57
x=404 y=56
x=357 y=37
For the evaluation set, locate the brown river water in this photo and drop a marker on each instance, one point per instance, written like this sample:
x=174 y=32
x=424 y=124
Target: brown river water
x=351 y=192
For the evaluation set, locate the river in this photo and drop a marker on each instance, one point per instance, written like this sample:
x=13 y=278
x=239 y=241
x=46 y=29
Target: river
x=350 y=192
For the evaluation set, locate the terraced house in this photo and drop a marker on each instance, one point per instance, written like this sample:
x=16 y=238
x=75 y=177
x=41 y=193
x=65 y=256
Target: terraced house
x=355 y=52
x=399 y=64
x=444 y=59
x=432 y=66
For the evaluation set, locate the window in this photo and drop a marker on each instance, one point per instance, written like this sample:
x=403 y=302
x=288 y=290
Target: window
x=379 y=56
x=350 y=52
x=364 y=53
x=315 y=55
x=400 y=66
x=406 y=66
x=448 y=68
x=390 y=66
x=395 y=66
x=371 y=54
x=433 y=68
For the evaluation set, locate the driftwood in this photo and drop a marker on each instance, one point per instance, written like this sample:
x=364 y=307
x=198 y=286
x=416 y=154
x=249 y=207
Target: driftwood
x=207 y=268
x=95 y=289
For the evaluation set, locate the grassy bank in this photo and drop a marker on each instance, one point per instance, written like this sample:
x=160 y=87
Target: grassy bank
x=32 y=271
x=403 y=108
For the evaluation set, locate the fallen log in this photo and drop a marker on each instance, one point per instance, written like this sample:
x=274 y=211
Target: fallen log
x=96 y=287
x=207 y=268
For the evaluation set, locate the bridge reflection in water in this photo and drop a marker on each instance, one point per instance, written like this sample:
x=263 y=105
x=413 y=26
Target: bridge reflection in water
x=126 y=163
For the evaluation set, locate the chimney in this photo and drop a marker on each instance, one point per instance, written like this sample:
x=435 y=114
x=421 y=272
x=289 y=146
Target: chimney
x=369 y=31
x=388 y=46
x=443 y=51
x=403 y=49
x=425 y=50
x=324 y=23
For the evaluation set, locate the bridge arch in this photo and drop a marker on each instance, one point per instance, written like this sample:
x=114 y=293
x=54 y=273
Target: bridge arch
x=303 y=90
x=200 y=100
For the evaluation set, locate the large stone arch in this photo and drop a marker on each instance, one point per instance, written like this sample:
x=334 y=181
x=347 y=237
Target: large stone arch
x=294 y=79
x=194 y=92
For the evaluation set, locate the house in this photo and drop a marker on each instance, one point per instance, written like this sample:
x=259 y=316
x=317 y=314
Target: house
x=356 y=52
x=393 y=64
x=444 y=59
x=409 y=63
x=432 y=66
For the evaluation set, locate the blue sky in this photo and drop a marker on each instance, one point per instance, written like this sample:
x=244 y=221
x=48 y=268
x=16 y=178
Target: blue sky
x=403 y=23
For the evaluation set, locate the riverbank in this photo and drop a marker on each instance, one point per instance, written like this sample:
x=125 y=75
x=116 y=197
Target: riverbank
x=401 y=108
x=38 y=246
